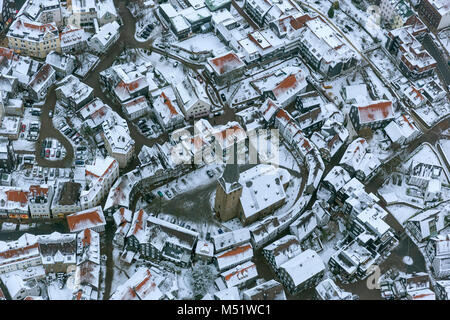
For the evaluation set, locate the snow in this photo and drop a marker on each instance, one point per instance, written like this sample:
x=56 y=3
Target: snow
x=401 y=212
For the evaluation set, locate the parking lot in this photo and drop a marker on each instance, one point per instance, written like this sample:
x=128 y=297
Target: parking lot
x=52 y=149
x=149 y=128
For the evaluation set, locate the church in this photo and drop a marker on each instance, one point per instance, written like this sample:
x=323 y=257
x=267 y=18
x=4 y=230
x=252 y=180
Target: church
x=251 y=194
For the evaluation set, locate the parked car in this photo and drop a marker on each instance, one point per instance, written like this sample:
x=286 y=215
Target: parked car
x=223 y=97
x=50 y=113
x=24 y=126
x=58 y=154
x=47 y=153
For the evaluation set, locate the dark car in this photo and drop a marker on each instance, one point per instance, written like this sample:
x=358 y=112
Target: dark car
x=79 y=162
x=223 y=97
x=58 y=154
x=144 y=130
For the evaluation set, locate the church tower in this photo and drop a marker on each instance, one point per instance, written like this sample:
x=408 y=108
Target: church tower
x=229 y=190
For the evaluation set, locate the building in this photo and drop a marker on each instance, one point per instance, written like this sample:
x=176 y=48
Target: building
x=329 y=140
x=89 y=13
x=88 y=246
x=20 y=254
x=122 y=218
x=241 y=275
x=103 y=39
x=41 y=82
x=323 y=49
x=66 y=199
x=251 y=194
x=353 y=260
x=143 y=285
x=402 y=130
x=375 y=115
x=73 y=39
x=136 y=108
x=39 y=201
x=231 y=239
x=264 y=12
x=438 y=253
x=404 y=45
x=358 y=162
x=437 y=12
x=63 y=64
x=58 y=252
x=433 y=92
x=158 y=239
x=42 y=11
x=73 y=93
x=17 y=288
x=94 y=114
x=420 y=174
x=428 y=223
x=204 y=250
x=286 y=91
x=118 y=142
x=328 y=290
x=281 y=251
x=233 y=257
x=93 y=219
x=442 y=289
x=302 y=271
x=270 y=290
x=100 y=176
x=7 y=155
x=167 y=112
x=14 y=203
x=335 y=180
x=394 y=13
x=192 y=98
x=32 y=38
x=225 y=68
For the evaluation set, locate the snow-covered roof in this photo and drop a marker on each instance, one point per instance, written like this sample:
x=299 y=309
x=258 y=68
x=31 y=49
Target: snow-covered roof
x=328 y=290
x=43 y=76
x=60 y=61
x=100 y=167
x=167 y=109
x=71 y=87
x=284 y=249
x=292 y=85
x=234 y=256
x=240 y=274
x=88 y=246
x=33 y=31
x=262 y=188
x=229 y=239
x=86 y=219
x=337 y=177
x=117 y=133
x=226 y=63
x=122 y=215
x=268 y=109
x=270 y=290
x=106 y=33
x=138 y=226
x=22 y=249
x=303 y=266
x=375 y=111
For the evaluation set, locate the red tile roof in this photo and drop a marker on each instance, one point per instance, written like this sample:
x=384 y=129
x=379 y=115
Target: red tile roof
x=236 y=251
x=226 y=63
x=376 y=112
x=86 y=219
